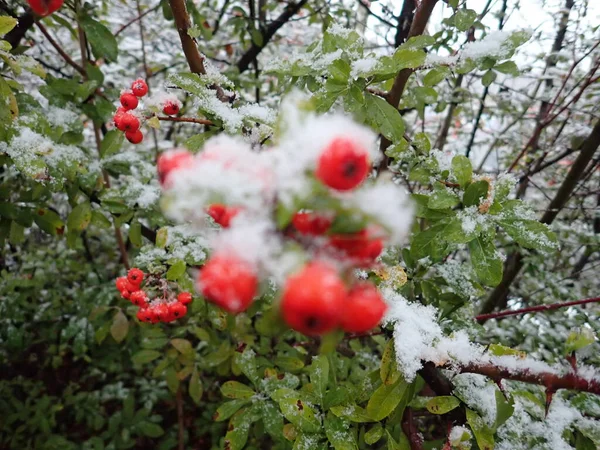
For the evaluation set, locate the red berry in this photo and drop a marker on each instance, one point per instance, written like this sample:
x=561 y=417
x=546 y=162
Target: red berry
x=139 y=298
x=363 y=309
x=171 y=160
x=45 y=7
x=129 y=101
x=170 y=108
x=121 y=283
x=134 y=136
x=139 y=88
x=229 y=282
x=117 y=118
x=360 y=246
x=135 y=276
x=147 y=315
x=221 y=214
x=129 y=122
x=185 y=298
x=311 y=223
x=126 y=294
x=343 y=165
x=162 y=312
x=313 y=299
x=177 y=309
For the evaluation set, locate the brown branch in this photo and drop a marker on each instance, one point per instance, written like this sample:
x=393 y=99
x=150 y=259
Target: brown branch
x=190 y=49
x=408 y=426
x=59 y=49
x=290 y=10
x=135 y=19
x=185 y=119
x=551 y=381
x=15 y=35
x=417 y=28
x=551 y=307
x=180 y=424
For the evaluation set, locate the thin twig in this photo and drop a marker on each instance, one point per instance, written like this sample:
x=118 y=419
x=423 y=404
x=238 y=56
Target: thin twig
x=59 y=49
x=551 y=307
x=135 y=19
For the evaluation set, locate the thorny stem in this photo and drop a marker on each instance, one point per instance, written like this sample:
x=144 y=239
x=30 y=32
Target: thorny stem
x=501 y=314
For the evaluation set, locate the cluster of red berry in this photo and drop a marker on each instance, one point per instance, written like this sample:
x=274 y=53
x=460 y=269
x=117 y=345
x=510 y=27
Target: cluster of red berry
x=165 y=309
x=125 y=120
x=315 y=300
x=45 y=7
x=128 y=122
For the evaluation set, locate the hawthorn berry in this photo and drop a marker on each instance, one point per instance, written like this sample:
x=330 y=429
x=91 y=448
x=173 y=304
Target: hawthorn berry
x=361 y=246
x=129 y=122
x=311 y=223
x=363 y=309
x=117 y=118
x=129 y=101
x=135 y=276
x=177 y=309
x=134 y=136
x=139 y=298
x=121 y=283
x=45 y=7
x=343 y=165
x=171 y=160
x=229 y=282
x=221 y=214
x=126 y=294
x=139 y=88
x=313 y=299
x=144 y=315
x=171 y=108
x=185 y=298
x=161 y=311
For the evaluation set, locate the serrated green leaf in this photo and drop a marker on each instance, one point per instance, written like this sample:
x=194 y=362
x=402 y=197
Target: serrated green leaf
x=486 y=261
x=384 y=117
x=462 y=169
x=104 y=45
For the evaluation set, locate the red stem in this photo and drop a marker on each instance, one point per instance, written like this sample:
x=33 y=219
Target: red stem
x=500 y=314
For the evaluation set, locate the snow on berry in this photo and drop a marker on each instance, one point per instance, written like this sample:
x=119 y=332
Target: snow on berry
x=139 y=88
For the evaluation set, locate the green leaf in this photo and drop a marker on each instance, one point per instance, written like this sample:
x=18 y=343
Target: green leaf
x=384 y=117
x=300 y=414
x=374 y=434
x=475 y=192
x=579 y=339
x=507 y=67
x=151 y=430
x=389 y=371
x=104 y=45
x=429 y=243
x=385 y=399
x=352 y=412
x=195 y=387
x=435 y=76
x=442 y=404
x=408 y=58
x=464 y=19
x=228 y=409
x=422 y=143
x=402 y=444
x=488 y=78
x=483 y=434
x=119 y=327
x=49 y=221
x=530 y=234
x=462 y=170
x=145 y=356
x=135 y=234
x=172 y=380
x=176 y=270
x=289 y=363
x=112 y=142
x=504 y=408
x=443 y=199
x=339 y=433
x=183 y=346
x=100 y=220
x=80 y=217
x=272 y=419
x=235 y=389
x=7 y=24
x=340 y=70
x=306 y=441
x=319 y=375
x=486 y=262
